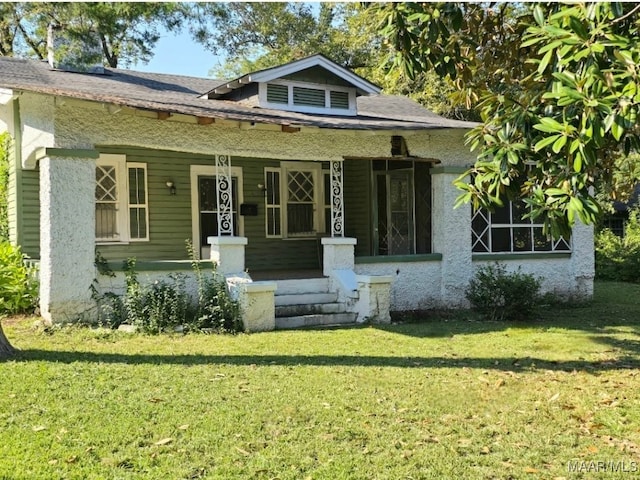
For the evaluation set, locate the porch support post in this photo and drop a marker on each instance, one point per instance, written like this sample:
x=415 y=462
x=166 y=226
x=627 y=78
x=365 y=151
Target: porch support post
x=225 y=195
x=451 y=236
x=67 y=233
x=582 y=260
x=337 y=199
x=338 y=254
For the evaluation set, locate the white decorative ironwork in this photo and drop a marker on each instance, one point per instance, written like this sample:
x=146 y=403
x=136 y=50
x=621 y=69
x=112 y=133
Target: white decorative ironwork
x=225 y=195
x=337 y=199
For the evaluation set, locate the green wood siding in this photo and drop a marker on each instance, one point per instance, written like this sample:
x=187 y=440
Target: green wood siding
x=317 y=75
x=30 y=221
x=357 y=204
x=170 y=216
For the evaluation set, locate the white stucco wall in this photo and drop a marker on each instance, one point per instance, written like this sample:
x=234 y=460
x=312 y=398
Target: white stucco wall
x=37 y=114
x=415 y=285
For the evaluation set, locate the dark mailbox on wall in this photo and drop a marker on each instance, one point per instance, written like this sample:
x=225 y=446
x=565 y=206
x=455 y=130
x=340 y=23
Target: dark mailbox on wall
x=249 y=209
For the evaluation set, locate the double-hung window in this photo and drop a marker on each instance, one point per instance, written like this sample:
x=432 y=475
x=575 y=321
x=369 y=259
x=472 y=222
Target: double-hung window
x=121 y=200
x=507 y=230
x=295 y=205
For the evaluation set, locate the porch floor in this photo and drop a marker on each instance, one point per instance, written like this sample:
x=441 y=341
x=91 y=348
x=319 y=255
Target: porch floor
x=284 y=274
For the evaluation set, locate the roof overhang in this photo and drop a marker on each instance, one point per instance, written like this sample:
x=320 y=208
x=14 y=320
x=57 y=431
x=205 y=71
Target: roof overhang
x=362 y=86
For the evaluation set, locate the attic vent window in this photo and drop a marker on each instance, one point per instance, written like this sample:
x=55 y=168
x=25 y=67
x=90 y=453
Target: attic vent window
x=277 y=93
x=339 y=100
x=305 y=97
x=312 y=97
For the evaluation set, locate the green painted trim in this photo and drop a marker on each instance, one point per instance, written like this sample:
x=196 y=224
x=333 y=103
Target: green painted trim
x=443 y=169
x=160 y=265
x=423 y=257
x=479 y=257
x=17 y=145
x=66 y=153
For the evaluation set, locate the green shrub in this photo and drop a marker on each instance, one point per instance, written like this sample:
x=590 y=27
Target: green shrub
x=165 y=304
x=499 y=295
x=619 y=258
x=215 y=307
x=18 y=282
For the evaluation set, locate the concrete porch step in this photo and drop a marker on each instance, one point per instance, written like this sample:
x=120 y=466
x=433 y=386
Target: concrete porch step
x=305 y=285
x=308 y=309
x=315 y=320
x=305 y=298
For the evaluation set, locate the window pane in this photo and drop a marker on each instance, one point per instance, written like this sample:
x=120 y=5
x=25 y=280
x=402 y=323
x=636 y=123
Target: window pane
x=106 y=189
x=540 y=241
x=522 y=239
x=520 y=209
x=273 y=221
x=273 y=188
x=501 y=215
x=207 y=189
x=137 y=194
x=300 y=218
x=138 y=222
x=106 y=221
x=500 y=239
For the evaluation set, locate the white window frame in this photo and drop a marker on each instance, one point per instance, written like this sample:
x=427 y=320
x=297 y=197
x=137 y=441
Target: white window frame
x=272 y=206
x=210 y=171
x=145 y=205
x=318 y=198
x=290 y=106
x=122 y=208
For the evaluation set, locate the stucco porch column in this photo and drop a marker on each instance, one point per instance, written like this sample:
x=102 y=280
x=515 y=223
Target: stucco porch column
x=67 y=232
x=583 y=259
x=228 y=254
x=451 y=236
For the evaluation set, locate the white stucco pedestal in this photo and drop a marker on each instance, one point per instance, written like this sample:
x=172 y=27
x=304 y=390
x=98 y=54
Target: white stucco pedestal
x=257 y=303
x=228 y=253
x=374 y=298
x=339 y=254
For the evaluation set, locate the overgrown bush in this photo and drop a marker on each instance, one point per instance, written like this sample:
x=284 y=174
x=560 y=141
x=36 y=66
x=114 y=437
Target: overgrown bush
x=165 y=304
x=215 y=307
x=619 y=258
x=500 y=295
x=18 y=282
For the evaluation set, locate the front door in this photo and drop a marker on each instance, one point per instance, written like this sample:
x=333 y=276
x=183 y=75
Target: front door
x=204 y=206
x=393 y=222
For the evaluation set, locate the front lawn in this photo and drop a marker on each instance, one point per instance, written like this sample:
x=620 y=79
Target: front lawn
x=450 y=397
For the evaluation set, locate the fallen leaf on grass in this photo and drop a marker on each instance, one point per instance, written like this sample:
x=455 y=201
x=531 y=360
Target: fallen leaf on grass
x=592 y=449
x=53 y=462
x=499 y=383
x=156 y=400
x=554 y=397
x=485 y=450
x=39 y=428
x=72 y=459
x=531 y=470
x=243 y=452
x=164 y=441
x=183 y=427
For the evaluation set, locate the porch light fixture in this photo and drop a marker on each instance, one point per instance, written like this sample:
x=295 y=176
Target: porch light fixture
x=262 y=188
x=171 y=186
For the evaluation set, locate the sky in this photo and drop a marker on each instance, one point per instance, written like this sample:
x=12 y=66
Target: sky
x=179 y=54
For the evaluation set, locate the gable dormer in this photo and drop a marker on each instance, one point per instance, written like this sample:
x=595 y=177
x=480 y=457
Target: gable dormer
x=311 y=85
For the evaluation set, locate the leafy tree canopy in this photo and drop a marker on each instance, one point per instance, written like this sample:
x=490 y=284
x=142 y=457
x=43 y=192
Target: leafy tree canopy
x=557 y=88
x=128 y=31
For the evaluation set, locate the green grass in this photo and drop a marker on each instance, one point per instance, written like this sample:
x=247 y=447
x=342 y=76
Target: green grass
x=450 y=397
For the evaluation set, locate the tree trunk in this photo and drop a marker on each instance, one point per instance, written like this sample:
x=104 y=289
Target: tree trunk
x=5 y=347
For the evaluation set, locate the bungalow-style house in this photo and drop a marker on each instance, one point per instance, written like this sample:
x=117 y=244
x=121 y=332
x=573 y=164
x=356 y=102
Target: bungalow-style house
x=320 y=198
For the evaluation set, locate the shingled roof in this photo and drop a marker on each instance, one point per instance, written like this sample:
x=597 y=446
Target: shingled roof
x=181 y=95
